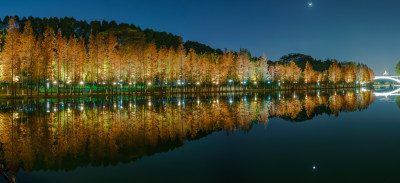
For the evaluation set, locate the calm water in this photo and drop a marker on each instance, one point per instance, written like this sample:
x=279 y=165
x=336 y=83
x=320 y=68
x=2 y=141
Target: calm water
x=331 y=136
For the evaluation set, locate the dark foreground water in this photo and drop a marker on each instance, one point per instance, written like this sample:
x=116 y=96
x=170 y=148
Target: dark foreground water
x=331 y=136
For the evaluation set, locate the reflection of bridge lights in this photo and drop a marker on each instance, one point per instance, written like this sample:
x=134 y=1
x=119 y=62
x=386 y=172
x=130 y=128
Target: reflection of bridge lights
x=392 y=93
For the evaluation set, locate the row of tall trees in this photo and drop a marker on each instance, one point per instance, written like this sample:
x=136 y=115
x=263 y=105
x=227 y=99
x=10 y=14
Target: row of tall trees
x=105 y=64
x=345 y=74
x=69 y=26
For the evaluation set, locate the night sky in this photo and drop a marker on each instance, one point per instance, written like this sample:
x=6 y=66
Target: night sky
x=366 y=31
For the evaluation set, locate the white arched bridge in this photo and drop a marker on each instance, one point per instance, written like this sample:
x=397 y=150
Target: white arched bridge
x=391 y=78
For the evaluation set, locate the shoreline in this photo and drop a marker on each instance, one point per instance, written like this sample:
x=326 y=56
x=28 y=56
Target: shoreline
x=158 y=93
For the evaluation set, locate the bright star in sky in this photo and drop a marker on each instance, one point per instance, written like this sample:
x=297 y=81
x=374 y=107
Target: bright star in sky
x=310 y=4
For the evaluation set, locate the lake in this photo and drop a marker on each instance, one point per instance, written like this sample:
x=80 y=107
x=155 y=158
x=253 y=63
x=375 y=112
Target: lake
x=314 y=136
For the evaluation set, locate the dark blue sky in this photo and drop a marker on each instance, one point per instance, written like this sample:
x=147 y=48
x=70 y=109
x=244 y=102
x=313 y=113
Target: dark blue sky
x=366 y=31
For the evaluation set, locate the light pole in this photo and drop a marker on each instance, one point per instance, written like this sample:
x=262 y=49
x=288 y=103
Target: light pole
x=82 y=85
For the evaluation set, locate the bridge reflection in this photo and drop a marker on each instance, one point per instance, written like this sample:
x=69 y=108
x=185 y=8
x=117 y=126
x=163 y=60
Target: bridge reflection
x=395 y=92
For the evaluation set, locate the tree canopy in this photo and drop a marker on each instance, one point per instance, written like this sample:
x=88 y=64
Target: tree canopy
x=70 y=27
x=397 y=70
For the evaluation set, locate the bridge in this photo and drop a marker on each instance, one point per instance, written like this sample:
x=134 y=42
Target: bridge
x=391 y=78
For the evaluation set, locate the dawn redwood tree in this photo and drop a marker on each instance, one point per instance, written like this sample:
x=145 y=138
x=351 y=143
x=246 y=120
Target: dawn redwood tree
x=137 y=69
x=172 y=70
x=162 y=65
x=110 y=57
x=96 y=55
x=28 y=51
x=80 y=62
x=293 y=73
x=308 y=74
x=61 y=49
x=242 y=67
x=150 y=62
x=335 y=73
x=350 y=74
x=47 y=56
x=264 y=70
x=188 y=66
x=11 y=62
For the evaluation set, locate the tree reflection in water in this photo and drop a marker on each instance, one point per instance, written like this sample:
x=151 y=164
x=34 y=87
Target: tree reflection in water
x=69 y=133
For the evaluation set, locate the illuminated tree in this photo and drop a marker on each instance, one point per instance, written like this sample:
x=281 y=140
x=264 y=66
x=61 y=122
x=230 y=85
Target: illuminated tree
x=28 y=50
x=97 y=55
x=350 y=73
x=308 y=74
x=293 y=73
x=11 y=61
x=61 y=47
x=264 y=70
x=150 y=63
x=242 y=67
x=47 y=56
x=335 y=73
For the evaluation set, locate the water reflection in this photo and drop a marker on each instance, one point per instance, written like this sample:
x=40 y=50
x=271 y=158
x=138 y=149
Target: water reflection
x=71 y=133
x=387 y=92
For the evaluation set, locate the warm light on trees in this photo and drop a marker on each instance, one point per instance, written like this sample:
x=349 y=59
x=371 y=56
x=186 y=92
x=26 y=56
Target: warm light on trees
x=308 y=73
x=11 y=61
x=53 y=58
x=335 y=73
